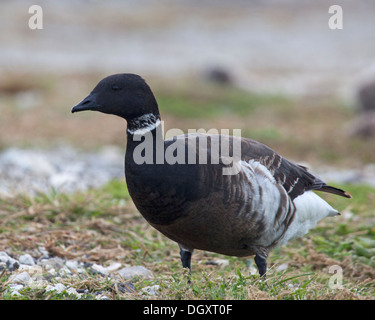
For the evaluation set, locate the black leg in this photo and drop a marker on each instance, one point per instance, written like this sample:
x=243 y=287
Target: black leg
x=261 y=264
x=185 y=259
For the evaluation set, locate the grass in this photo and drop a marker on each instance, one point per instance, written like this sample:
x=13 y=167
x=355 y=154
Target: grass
x=103 y=226
x=213 y=101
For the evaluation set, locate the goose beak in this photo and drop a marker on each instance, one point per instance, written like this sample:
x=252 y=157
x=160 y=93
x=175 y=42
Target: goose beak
x=89 y=103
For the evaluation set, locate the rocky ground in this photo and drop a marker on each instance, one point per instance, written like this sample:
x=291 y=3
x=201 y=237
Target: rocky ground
x=45 y=273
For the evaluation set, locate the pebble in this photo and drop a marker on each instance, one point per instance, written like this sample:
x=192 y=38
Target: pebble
x=129 y=273
x=14 y=289
x=58 y=287
x=151 y=290
x=22 y=277
x=11 y=263
x=282 y=267
x=27 y=259
x=99 y=269
x=113 y=267
x=47 y=273
x=62 y=168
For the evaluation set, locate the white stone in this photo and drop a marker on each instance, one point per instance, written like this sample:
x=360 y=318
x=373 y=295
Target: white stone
x=15 y=287
x=59 y=287
x=151 y=290
x=135 y=271
x=44 y=252
x=34 y=271
x=22 y=277
x=38 y=284
x=282 y=267
x=72 y=264
x=74 y=292
x=99 y=269
x=26 y=259
x=113 y=267
x=65 y=271
x=4 y=257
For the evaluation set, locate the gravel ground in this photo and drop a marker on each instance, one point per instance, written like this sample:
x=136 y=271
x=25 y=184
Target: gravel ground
x=36 y=273
x=63 y=169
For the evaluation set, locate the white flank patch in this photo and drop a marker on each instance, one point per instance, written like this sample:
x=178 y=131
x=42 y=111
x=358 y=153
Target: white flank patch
x=262 y=170
x=310 y=209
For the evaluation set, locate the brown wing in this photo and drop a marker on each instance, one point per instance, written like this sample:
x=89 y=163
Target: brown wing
x=294 y=178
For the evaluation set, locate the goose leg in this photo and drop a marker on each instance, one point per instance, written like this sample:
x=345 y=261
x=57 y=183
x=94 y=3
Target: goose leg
x=186 y=258
x=185 y=255
x=261 y=264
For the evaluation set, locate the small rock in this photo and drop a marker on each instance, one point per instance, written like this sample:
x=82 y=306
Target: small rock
x=59 y=287
x=22 y=277
x=17 y=287
x=14 y=289
x=38 y=284
x=55 y=263
x=75 y=266
x=34 y=271
x=124 y=287
x=74 y=292
x=26 y=259
x=72 y=264
x=282 y=267
x=135 y=271
x=44 y=252
x=366 y=96
x=113 y=267
x=219 y=75
x=11 y=263
x=99 y=269
x=65 y=271
x=151 y=290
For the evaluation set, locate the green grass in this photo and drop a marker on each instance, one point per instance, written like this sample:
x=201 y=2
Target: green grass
x=106 y=223
x=214 y=101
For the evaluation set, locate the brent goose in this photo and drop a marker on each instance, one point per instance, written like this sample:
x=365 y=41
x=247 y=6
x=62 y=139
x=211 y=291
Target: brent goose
x=265 y=202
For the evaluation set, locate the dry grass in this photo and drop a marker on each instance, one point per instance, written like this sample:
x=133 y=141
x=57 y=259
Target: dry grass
x=100 y=227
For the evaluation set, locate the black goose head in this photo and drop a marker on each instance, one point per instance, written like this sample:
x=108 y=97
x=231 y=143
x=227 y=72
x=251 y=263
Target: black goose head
x=125 y=95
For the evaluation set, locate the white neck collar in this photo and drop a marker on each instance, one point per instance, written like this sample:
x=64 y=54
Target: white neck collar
x=143 y=124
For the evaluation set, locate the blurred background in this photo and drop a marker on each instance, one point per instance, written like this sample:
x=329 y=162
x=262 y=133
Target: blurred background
x=271 y=68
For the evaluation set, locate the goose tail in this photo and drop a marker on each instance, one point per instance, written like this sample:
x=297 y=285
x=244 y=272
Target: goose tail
x=335 y=191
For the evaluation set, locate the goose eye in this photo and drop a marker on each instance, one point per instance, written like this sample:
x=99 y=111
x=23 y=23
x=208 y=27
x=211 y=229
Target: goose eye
x=115 y=87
